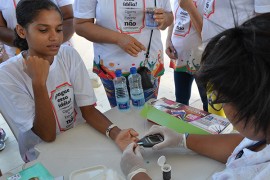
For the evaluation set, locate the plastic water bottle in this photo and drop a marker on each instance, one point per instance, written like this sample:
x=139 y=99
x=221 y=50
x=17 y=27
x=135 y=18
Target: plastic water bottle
x=136 y=90
x=121 y=92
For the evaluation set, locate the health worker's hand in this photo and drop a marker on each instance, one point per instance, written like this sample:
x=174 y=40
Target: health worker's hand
x=171 y=138
x=37 y=69
x=130 y=45
x=125 y=137
x=132 y=160
x=170 y=50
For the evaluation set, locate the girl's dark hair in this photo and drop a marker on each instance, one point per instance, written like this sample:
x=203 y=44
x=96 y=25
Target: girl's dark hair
x=236 y=65
x=26 y=12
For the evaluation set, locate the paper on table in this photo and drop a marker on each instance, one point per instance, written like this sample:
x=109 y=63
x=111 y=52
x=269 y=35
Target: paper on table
x=37 y=171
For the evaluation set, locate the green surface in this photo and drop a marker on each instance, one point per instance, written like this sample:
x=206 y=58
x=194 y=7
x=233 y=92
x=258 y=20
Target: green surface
x=165 y=119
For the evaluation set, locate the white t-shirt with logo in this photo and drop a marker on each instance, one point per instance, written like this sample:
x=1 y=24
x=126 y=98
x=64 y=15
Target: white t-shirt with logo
x=220 y=15
x=185 y=39
x=252 y=165
x=126 y=17
x=7 y=7
x=68 y=88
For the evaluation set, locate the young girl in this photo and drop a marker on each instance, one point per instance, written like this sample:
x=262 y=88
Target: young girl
x=237 y=65
x=8 y=22
x=45 y=89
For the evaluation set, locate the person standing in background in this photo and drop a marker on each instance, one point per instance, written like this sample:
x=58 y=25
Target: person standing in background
x=121 y=39
x=182 y=46
x=8 y=22
x=220 y=15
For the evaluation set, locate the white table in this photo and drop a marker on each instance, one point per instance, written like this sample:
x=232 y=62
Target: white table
x=83 y=146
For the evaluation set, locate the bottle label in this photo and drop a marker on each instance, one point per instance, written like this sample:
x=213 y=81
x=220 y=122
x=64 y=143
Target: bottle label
x=137 y=97
x=123 y=105
x=138 y=102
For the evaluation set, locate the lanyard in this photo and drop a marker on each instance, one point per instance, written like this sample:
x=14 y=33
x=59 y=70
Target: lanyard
x=252 y=147
x=148 y=49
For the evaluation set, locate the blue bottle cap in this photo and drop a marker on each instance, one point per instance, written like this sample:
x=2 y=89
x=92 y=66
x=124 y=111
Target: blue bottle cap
x=133 y=70
x=118 y=73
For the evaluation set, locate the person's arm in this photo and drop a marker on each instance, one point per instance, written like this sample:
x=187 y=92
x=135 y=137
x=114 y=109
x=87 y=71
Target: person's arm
x=44 y=124
x=68 y=29
x=164 y=19
x=218 y=147
x=7 y=35
x=170 y=30
x=100 y=122
x=196 y=18
x=170 y=50
x=95 y=33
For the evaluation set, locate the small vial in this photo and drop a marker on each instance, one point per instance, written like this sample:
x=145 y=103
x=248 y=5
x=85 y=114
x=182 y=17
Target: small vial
x=166 y=171
x=165 y=168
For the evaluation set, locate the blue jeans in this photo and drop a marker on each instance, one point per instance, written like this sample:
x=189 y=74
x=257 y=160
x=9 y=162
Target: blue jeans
x=183 y=82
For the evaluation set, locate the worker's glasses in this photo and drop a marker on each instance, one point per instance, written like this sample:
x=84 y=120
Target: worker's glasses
x=213 y=104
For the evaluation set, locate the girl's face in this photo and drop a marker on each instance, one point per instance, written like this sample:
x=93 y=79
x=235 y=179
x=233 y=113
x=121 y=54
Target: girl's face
x=248 y=131
x=45 y=34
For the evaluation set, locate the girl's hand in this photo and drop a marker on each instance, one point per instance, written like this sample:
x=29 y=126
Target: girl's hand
x=130 y=45
x=37 y=69
x=125 y=137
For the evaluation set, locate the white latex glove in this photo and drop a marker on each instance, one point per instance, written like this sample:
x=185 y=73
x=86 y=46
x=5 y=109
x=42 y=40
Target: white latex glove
x=132 y=161
x=171 y=138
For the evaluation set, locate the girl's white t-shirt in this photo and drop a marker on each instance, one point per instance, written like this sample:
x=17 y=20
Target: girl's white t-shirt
x=68 y=88
x=126 y=17
x=7 y=7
